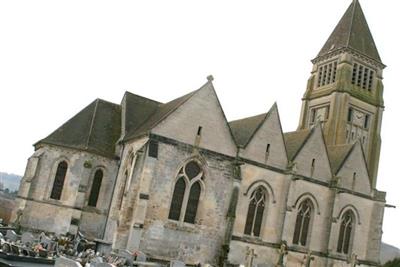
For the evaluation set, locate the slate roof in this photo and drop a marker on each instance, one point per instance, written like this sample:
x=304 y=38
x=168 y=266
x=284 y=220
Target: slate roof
x=244 y=129
x=295 y=140
x=159 y=113
x=352 y=32
x=337 y=154
x=137 y=110
x=96 y=128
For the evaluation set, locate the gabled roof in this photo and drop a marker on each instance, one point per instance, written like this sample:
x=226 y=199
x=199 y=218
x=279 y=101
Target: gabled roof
x=337 y=155
x=352 y=32
x=96 y=128
x=295 y=140
x=137 y=110
x=160 y=113
x=244 y=129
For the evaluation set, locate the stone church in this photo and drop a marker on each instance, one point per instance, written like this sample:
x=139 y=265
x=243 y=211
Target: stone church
x=177 y=181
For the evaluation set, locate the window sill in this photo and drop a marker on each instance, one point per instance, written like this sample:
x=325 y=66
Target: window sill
x=300 y=248
x=254 y=239
x=181 y=226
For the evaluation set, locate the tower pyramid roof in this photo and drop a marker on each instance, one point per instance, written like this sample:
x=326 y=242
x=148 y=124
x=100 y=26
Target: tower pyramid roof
x=352 y=32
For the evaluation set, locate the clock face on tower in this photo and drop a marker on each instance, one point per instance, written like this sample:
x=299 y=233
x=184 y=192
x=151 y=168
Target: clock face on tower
x=319 y=114
x=322 y=114
x=358 y=118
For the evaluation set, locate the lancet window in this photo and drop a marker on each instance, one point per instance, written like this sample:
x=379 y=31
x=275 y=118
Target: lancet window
x=96 y=185
x=346 y=232
x=59 y=178
x=255 y=213
x=187 y=192
x=303 y=223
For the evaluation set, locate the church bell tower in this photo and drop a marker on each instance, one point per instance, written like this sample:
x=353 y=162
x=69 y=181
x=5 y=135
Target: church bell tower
x=345 y=90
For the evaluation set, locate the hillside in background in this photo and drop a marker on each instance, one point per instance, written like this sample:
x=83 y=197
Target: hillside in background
x=10 y=181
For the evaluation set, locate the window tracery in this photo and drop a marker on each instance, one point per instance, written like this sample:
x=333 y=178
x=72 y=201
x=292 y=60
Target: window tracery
x=256 y=211
x=346 y=232
x=187 y=192
x=303 y=223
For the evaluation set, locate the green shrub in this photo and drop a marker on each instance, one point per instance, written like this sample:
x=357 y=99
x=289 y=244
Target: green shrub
x=393 y=263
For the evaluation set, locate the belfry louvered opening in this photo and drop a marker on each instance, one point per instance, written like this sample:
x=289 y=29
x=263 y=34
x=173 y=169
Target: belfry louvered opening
x=362 y=76
x=327 y=73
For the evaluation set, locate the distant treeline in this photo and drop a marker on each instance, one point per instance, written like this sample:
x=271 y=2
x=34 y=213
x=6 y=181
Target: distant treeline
x=10 y=181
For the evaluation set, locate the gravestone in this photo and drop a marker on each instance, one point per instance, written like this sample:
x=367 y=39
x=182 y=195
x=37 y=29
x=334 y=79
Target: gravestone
x=6 y=247
x=127 y=256
x=11 y=235
x=101 y=264
x=14 y=249
x=265 y=265
x=47 y=242
x=27 y=238
x=176 y=263
x=103 y=247
x=65 y=262
x=139 y=256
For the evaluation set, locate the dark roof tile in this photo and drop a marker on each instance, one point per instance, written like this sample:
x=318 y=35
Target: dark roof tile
x=294 y=141
x=96 y=128
x=337 y=154
x=352 y=32
x=244 y=129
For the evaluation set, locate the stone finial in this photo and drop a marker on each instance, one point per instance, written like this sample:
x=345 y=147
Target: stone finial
x=210 y=78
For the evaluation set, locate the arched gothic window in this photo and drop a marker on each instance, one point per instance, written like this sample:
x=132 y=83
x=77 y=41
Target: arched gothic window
x=303 y=221
x=345 y=232
x=59 y=180
x=255 y=212
x=94 y=192
x=187 y=191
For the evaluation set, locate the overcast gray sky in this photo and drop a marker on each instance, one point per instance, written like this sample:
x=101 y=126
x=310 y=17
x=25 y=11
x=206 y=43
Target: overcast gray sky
x=58 y=56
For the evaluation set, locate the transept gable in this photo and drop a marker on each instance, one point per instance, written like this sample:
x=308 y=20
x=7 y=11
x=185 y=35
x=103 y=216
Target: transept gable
x=311 y=159
x=294 y=141
x=159 y=113
x=200 y=121
x=266 y=143
x=353 y=172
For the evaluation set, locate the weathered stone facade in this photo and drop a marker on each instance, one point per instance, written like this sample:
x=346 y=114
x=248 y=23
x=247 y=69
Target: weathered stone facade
x=254 y=193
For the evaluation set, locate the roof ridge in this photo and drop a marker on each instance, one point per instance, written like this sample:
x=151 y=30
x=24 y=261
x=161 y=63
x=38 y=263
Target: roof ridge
x=352 y=31
x=345 y=157
x=92 y=122
x=245 y=118
x=188 y=95
x=143 y=97
x=266 y=116
x=107 y=102
x=311 y=131
x=181 y=100
x=351 y=22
